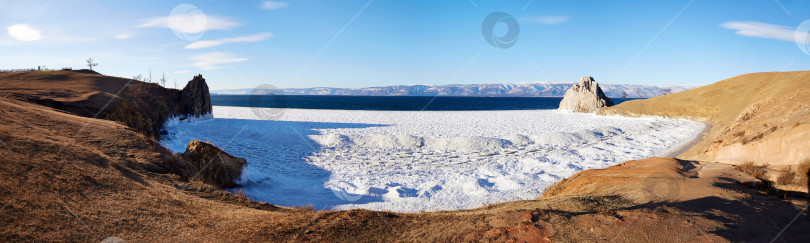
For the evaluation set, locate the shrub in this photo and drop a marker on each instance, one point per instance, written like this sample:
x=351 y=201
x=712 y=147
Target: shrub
x=752 y=169
x=802 y=170
x=787 y=177
x=240 y=193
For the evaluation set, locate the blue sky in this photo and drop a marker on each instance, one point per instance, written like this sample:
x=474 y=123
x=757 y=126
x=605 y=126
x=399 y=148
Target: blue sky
x=309 y=43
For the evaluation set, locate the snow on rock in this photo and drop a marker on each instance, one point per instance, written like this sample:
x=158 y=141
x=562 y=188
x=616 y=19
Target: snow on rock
x=410 y=161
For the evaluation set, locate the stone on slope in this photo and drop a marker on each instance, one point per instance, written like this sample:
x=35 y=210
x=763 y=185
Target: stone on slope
x=214 y=166
x=586 y=96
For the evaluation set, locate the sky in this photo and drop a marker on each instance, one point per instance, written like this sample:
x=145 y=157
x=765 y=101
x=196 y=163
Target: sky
x=352 y=44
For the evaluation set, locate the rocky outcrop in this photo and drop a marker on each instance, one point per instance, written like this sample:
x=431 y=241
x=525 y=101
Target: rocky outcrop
x=214 y=166
x=586 y=96
x=195 y=99
x=146 y=106
x=142 y=106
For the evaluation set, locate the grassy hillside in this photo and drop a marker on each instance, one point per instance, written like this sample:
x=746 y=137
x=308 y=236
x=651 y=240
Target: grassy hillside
x=139 y=105
x=760 y=117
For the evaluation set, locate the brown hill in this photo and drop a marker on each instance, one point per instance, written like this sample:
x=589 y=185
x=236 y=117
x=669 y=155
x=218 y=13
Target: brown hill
x=71 y=178
x=139 y=105
x=759 y=117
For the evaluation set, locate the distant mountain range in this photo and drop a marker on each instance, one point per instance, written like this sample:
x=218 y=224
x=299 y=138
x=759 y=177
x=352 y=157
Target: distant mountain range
x=539 y=89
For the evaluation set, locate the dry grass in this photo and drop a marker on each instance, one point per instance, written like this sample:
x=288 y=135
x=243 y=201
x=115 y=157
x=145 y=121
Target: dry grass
x=795 y=175
x=752 y=169
x=804 y=171
x=758 y=111
x=239 y=192
x=787 y=176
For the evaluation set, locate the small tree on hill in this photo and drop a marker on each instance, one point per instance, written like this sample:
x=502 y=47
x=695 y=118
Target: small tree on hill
x=624 y=95
x=163 y=80
x=667 y=91
x=91 y=64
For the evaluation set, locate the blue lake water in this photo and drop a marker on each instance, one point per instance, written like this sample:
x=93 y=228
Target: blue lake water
x=393 y=103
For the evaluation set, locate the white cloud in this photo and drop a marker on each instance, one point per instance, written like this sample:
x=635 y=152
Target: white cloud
x=182 y=72
x=762 y=30
x=545 y=20
x=190 y=23
x=23 y=32
x=122 y=36
x=213 y=43
x=209 y=61
x=274 y=5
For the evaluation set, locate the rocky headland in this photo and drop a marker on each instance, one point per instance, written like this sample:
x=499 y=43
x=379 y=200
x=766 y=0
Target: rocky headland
x=80 y=161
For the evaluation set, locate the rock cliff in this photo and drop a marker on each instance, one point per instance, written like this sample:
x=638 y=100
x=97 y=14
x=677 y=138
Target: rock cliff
x=195 y=99
x=142 y=106
x=586 y=96
x=146 y=106
x=214 y=166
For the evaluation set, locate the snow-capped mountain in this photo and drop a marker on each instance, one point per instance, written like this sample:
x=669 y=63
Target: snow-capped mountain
x=544 y=89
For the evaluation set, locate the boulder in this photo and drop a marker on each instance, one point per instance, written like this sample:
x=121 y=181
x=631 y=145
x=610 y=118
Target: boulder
x=195 y=99
x=586 y=96
x=214 y=166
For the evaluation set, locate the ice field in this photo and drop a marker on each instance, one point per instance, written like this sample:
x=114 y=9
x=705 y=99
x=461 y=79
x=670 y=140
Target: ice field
x=410 y=161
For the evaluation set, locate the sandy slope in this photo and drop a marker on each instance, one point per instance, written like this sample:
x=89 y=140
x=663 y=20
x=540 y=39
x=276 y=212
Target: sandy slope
x=760 y=117
x=71 y=178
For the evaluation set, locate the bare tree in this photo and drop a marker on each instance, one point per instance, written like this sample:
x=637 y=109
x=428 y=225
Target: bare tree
x=175 y=83
x=91 y=64
x=138 y=77
x=624 y=95
x=163 y=80
x=150 y=76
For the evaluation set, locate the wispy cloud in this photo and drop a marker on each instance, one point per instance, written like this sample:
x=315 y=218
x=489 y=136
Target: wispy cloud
x=182 y=72
x=274 y=5
x=212 y=43
x=209 y=61
x=762 y=30
x=190 y=24
x=544 y=20
x=23 y=32
x=122 y=36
